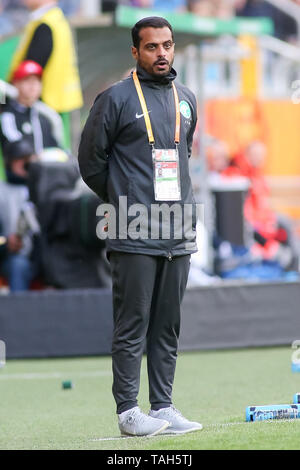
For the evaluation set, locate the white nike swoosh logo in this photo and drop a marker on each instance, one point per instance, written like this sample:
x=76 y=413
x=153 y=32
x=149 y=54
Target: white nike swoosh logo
x=138 y=116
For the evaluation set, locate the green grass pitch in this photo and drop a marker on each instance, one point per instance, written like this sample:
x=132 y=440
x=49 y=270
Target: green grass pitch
x=213 y=387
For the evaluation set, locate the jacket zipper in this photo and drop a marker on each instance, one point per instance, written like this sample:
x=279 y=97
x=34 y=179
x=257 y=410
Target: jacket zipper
x=170 y=256
x=167 y=106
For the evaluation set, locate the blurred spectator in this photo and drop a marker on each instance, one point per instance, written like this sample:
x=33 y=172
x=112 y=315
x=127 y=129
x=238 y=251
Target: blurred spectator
x=212 y=8
x=19 y=118
x=220 y=162
x=272 y=232
x=24 y=134
x=13 y=15
x=3 y=242
x=177 y=6
x=48 y=41
x=69 y=7
x=284 y=25
x=137 y=3
x=226 y=9
x=257 y=206
x=19 y=263
x=266 y=247
x=218 y=157
x=200 y=7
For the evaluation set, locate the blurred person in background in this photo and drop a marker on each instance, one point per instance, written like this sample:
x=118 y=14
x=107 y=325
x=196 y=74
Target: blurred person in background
x=212 y=8
x=19 y=264
x=270 y=238
x=24 y=134
x=218 y=156
x=201 y=7
x=19 y=118
x=13 y=16
x=258 y=211
x=246 y=164
x=3 y=242
x=70 y=7
x=137 y=3
x=272 y=231
x=219 y=160
x=162 y=5
x=48 y=41
x=176 y=6
x=225 y=9
x=285 y=27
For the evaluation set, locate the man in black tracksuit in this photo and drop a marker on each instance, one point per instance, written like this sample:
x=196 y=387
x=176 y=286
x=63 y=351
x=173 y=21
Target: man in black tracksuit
x=120 y=157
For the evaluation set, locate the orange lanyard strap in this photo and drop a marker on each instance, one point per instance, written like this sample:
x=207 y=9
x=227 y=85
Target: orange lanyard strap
x=146 y=113
x=177 y=107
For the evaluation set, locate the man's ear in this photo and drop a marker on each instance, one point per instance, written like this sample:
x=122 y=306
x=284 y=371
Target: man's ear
x=134 y=52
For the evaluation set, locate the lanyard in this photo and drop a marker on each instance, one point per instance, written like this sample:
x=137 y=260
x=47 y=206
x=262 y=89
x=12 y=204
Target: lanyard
x=146 y=113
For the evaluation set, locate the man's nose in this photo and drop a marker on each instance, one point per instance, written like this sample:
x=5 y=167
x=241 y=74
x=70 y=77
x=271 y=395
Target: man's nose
x=161 y=51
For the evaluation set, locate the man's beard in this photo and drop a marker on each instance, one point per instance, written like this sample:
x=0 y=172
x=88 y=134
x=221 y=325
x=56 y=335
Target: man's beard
x=153 y=72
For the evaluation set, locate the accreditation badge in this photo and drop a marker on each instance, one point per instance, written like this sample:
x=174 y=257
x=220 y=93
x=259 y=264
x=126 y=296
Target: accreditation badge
x=166 y=174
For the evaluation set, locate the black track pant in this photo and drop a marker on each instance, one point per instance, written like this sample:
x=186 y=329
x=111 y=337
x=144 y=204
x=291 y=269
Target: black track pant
x=147 y=293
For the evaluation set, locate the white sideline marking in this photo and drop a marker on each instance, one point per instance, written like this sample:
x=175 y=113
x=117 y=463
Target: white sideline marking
x=121 y=438
x=112 y=438
x=163 y=435
x=214 y=425
x=220 y=425
x=52 y=375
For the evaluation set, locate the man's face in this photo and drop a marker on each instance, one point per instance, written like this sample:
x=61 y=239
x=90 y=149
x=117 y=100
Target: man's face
x=30 y=89
x=156 y=51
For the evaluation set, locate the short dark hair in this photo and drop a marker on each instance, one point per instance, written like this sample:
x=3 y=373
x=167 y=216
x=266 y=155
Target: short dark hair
x=149 y=22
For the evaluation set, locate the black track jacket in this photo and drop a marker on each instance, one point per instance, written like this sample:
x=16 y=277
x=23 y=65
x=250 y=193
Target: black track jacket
x=17 y=122
x=115 y=157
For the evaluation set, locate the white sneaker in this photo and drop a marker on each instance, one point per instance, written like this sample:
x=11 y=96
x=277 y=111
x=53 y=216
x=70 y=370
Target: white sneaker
x=134 y=422
x=179 y=424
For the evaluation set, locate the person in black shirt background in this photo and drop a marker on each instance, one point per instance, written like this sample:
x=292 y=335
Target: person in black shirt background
x=20 y=118
x=285 y=27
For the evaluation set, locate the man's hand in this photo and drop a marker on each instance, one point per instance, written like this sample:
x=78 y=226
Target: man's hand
x=14 y=243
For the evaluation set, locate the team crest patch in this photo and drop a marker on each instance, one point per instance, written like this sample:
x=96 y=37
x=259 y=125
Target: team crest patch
x=185 y=109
